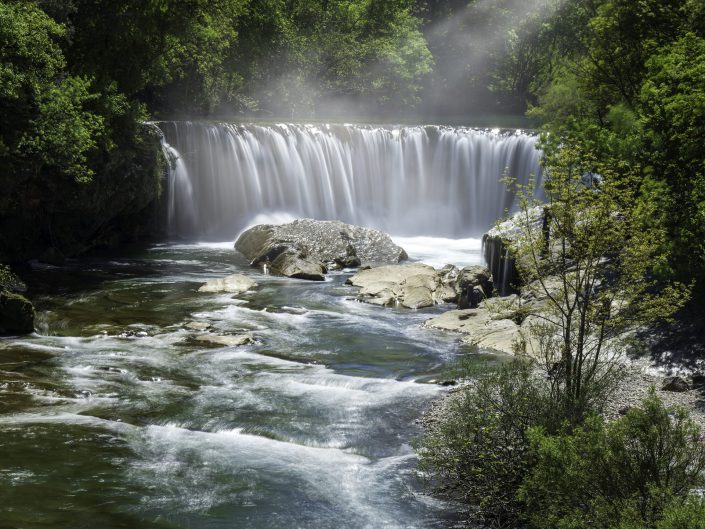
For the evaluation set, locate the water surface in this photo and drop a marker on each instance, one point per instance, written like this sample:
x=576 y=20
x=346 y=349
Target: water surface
x=113 y=415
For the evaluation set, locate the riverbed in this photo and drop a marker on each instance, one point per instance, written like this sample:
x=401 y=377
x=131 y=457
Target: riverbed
x=114 y=415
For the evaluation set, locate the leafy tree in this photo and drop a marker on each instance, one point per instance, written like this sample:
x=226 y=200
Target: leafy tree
x=45 y=115
x=592 y=262
x=672 y=103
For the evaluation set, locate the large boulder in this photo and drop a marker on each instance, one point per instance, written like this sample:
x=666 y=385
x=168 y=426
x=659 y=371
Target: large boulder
x=496 y=244
x=307 y=248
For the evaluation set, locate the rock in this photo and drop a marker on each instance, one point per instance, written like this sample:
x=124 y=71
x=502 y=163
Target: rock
x=481 y=327
x=473 y=284
x=501 y=335
x=227 y=340
x=197 y=325
x=413 y=286
x=309 y=246
x=232 y=284
x=16 y=314
x=447 y=383
x=698 y=379
x=495 y=245
x=415 y=297
x=291 y=264
x=676 y=384
x=391 y=274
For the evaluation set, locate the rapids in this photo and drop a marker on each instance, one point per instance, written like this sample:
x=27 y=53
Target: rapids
x=114 y=416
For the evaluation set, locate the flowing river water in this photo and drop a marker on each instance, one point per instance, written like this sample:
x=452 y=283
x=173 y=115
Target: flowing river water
x=113 y=415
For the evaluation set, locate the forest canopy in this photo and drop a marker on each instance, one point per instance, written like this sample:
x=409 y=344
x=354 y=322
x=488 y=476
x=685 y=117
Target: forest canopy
x=79 y=78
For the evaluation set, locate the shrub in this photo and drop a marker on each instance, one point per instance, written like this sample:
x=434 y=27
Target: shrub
x=636 y=472
x=479 y=450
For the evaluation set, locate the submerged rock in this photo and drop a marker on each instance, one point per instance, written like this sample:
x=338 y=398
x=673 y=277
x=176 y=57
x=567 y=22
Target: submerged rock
x=306 y=248
x=197 y=325
x=227 y=340
x=16 y=314
x=232 y=284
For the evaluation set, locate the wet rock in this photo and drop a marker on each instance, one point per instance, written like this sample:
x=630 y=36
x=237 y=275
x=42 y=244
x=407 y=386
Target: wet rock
x=232 y=284
x=448 y=383
x=16 y=314
x=495 y=248
x=307 y=247
x=227 y=340
x=197 y=325
x=292 y=264
x=132 y=334
x=676 y=384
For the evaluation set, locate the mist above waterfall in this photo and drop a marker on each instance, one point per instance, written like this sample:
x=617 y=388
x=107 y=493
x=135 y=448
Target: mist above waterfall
x=434 y=181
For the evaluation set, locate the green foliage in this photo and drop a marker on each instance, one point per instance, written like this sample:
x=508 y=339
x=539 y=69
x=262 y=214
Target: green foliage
x=592 y=260
x=479 y=451
x=673 y=109
x=637 y=471
x=687 y=514
x=624 y=80
x=44 y=113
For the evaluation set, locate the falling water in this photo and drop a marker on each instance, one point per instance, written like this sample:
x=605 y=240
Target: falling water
x=432 y=180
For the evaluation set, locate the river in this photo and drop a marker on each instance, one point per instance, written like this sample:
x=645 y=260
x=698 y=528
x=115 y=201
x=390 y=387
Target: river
x=113 y=415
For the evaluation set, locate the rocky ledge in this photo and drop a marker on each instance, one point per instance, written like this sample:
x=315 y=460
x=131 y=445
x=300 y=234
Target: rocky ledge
x=418 y=285
x=307 y=248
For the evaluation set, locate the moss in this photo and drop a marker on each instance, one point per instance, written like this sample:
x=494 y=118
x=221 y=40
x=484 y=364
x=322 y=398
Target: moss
x=16 y=314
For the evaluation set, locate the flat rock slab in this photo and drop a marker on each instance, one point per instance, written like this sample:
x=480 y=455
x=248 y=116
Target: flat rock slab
x=413 y=286
x=232 y=284
x=307 y=248
x=484 y=327
x=227 y=340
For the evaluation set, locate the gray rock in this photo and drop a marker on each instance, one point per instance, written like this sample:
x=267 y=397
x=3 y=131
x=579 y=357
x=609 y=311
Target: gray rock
x=292 y=264
x=492 y=325
x=233 y=284
x=309 y=246
x=227 y=340
x=16 y=314
x=495 y=244
x=473 y=284
x=676 y=384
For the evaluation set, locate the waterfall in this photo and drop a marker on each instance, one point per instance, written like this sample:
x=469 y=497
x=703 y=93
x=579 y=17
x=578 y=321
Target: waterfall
x=431 y=180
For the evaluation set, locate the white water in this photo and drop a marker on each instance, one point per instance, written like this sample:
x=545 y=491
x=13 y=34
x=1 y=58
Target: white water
x=431 y=181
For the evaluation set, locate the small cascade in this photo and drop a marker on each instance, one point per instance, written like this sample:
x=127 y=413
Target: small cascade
x=431 y=180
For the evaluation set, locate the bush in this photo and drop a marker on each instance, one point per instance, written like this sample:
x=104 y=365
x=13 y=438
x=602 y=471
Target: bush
x=636 y=472
x=479 y=451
